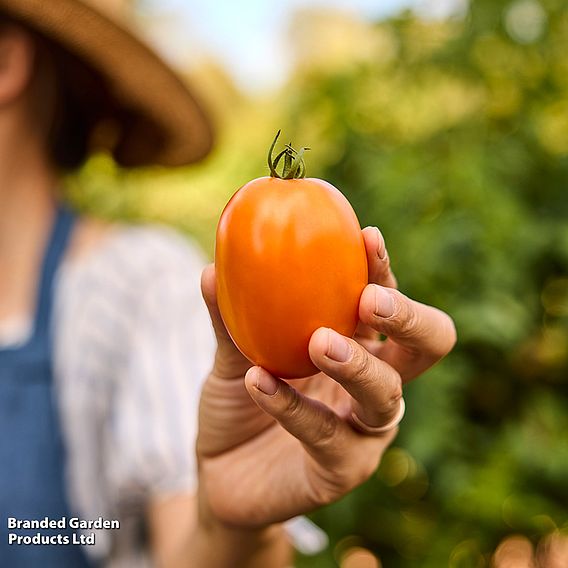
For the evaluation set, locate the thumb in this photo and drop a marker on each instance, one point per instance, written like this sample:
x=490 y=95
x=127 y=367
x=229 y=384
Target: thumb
x=229 y=361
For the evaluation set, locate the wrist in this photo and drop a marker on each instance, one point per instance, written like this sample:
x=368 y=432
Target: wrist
x=217 y=531
x=213 y=528
x=218 y=545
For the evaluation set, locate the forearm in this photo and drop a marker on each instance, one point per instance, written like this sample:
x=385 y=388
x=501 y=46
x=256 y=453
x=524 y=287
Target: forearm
x=217 y=546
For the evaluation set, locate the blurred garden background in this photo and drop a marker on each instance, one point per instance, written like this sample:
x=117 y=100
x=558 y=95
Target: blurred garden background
x=446 y=124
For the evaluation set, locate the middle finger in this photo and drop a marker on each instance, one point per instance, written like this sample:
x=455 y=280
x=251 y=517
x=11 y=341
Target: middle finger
x=418 y=335
x=376 y=388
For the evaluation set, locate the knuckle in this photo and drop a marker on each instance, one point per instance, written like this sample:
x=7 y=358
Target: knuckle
x=362 y=367
x=367 y=307
x=385 y=265
x=395 y=397
x=328 y=433
x=293 y=403
x=406 y=317
x=383 y=273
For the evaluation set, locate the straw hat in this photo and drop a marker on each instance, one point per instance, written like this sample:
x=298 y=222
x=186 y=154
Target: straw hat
x=153 y=96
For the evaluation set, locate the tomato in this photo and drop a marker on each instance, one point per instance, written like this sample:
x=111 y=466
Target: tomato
x=290 y=258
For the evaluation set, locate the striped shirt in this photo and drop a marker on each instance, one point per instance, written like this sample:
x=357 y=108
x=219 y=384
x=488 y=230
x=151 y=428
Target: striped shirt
x=132 y=345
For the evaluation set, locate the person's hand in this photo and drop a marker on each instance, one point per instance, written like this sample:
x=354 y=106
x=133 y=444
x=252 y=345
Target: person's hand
x=268 y=449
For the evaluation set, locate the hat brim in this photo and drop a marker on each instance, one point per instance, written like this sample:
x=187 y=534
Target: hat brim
x=137 y=79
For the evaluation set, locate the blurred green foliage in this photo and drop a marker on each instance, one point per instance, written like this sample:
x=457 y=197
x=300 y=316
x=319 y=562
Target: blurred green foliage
x=456 y=146
x=452 y=137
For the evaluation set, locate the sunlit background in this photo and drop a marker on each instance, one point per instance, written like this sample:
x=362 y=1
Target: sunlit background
x=446 y=124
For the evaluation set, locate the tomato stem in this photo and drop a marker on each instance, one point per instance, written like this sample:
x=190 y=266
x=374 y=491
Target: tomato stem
x=294 y=166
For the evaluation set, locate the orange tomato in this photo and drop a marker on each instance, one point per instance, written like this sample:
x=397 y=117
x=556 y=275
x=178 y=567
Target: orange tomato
x=290 y=258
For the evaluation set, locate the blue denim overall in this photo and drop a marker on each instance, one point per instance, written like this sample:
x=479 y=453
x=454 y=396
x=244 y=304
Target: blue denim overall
x=31 y=444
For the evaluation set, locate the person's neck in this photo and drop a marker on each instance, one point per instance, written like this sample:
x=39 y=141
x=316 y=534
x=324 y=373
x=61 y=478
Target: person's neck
x=27 y=205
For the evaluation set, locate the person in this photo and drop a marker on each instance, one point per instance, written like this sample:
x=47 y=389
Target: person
x=106 y=345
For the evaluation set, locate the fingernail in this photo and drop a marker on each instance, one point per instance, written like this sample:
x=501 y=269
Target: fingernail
x=381 y=247
x=265 y=382
x=338 y=348
x=384 y=302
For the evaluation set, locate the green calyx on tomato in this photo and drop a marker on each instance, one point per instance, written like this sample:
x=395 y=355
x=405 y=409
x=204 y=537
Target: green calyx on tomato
x=294 y=167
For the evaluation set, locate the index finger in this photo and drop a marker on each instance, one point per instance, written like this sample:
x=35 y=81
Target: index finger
x=375 y=387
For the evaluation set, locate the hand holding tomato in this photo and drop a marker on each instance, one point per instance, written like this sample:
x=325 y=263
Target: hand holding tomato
x=268 y=450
